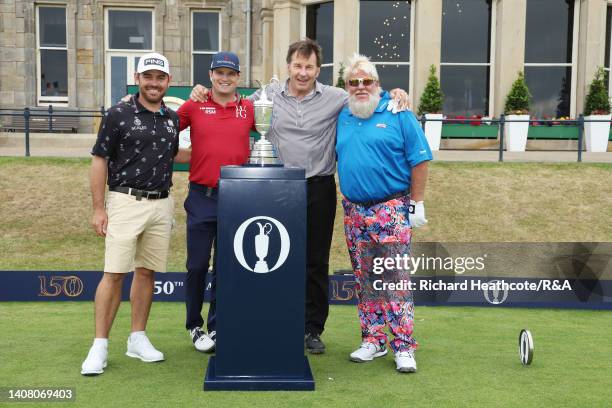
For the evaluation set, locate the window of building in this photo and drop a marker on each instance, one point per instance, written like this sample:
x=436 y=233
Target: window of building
x=466 y=57
x=320 y=27
x=384 y=36
x=52 y=55
x=205 y=43
x=548 y=56
x=128 y=35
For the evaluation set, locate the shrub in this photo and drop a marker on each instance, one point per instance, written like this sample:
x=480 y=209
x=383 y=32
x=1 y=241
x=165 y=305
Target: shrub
x=517 y=101
x=432 y=98
x=597 y=101
x=340 y=83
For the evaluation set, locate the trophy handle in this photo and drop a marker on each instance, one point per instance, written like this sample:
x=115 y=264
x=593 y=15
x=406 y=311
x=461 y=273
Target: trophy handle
x=267 y=228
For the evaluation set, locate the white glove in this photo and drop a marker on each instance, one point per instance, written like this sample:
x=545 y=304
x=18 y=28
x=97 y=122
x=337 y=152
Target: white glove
x=416 y=214
x=392 y=106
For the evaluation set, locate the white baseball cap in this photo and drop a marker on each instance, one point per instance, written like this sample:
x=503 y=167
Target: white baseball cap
x=153 y=60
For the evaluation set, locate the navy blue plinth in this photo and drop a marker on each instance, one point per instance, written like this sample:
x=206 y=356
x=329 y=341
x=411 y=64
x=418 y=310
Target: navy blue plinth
x=213 y=382
x=260 y=299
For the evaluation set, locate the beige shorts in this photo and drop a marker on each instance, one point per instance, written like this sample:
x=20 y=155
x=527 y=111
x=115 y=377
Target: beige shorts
x=138 y=233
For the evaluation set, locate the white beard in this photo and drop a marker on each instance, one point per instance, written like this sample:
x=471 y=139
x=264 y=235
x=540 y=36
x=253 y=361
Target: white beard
x=364 y=109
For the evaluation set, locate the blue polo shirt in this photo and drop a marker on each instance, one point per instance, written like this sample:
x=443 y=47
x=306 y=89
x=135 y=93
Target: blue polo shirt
x=376 y=155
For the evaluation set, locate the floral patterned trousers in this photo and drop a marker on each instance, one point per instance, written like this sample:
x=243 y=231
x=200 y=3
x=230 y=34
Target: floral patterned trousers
x=381 y=231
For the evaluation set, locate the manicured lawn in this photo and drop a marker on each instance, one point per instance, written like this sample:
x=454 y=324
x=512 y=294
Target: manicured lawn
x=45 y=210
x=467 y=357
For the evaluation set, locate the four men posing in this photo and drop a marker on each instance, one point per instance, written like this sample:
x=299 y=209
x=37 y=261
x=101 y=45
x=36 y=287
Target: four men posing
x=303 y=130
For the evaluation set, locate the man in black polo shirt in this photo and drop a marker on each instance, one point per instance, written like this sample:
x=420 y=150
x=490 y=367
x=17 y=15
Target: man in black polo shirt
x=134 y=153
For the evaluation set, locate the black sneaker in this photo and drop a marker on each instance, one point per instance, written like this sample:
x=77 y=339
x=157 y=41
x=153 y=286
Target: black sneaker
x=313 y=344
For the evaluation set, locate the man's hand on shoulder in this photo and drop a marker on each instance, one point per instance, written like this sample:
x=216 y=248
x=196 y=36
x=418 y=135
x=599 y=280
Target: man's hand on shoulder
x=199 y=93
x=400 y=101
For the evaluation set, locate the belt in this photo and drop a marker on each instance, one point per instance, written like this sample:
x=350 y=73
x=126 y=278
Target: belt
x=383 y=200
x=140 y=194
x=208 y=191
x=315 y=179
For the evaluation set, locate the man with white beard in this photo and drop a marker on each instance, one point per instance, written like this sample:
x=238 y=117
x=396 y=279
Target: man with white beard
x=382 y=168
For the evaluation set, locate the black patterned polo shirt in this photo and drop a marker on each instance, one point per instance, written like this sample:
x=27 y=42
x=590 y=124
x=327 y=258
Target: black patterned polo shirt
x=139 y=145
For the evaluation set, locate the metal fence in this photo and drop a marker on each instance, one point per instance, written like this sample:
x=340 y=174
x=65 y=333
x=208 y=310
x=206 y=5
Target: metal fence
x=54 y=118
x=501 y=121
x=52 y=115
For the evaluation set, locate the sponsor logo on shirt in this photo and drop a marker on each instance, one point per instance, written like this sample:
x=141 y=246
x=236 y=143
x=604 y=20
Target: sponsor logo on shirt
x=241 y=112
x=138 y=125
x=381 y=125
x=209 y=110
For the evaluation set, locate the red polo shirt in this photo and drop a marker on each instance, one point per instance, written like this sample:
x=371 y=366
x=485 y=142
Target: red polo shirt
x=219 y=136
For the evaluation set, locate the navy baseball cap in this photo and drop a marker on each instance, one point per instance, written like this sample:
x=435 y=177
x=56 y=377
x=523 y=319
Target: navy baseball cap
x=225 y=59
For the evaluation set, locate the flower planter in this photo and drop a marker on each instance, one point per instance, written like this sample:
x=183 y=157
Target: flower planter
x=556 y=132
x=516 y=133
x=596 y=134
x=433 y=130
x=460 y=131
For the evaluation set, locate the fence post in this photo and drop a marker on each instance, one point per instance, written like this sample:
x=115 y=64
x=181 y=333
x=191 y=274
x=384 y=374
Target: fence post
x=502 y=121
x=50 y=118
x=580 y=135
x=423 y=121
x=26 y=116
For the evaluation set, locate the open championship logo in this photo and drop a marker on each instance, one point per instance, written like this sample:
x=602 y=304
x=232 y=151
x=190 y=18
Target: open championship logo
x=493 y=295
x=262 y=242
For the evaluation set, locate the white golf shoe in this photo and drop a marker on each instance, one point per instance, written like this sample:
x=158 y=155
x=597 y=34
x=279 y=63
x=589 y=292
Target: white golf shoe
x=95 y=363
x=368 y=352
x=140 y=347
x=202 y=341
x=405 y=362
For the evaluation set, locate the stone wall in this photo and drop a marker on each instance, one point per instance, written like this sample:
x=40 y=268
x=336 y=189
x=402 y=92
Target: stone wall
x=85 y=43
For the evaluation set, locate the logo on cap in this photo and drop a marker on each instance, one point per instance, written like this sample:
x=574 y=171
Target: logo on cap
x=154 y=61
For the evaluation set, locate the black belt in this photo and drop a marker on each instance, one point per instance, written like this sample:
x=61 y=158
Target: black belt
x=315 y=179
x=208 y=191
x=391 y=197
x=140 y=194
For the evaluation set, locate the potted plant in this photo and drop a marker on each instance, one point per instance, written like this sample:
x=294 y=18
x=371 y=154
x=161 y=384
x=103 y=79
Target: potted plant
x=431 y=106
x=597 y=107
x=517 y=108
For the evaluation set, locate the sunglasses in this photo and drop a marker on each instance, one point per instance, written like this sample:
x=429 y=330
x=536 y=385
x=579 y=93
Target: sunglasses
x=365 y=81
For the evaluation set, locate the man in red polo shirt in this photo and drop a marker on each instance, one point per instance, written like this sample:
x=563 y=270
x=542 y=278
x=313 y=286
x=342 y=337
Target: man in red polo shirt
x=219 y=137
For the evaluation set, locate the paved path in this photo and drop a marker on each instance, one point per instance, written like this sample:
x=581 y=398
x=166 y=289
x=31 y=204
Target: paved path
x=80 y=146
x=529 y=156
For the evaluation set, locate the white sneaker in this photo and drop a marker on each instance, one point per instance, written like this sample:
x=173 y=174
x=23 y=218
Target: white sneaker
x=202 y=341
x=140 y=347
x=405 y=362
x=95 y=363
x=368 y=352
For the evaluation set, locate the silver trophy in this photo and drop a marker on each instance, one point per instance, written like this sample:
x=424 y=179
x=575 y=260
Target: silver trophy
x=262 y=241
x=263 y=152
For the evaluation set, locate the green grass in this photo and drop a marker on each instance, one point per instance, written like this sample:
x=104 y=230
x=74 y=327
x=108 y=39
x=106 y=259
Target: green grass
x=467 y=357
x=45 y=210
